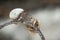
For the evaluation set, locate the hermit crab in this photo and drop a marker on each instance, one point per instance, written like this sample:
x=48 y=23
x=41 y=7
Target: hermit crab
x=20 y=15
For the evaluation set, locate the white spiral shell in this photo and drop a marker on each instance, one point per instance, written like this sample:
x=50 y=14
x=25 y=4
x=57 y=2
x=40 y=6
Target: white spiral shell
x=15 y=13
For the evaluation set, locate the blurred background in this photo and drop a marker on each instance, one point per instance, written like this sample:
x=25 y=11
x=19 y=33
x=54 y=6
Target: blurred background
x=47 y=12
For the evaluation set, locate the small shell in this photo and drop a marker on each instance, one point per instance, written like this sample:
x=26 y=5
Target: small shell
x=15 y=13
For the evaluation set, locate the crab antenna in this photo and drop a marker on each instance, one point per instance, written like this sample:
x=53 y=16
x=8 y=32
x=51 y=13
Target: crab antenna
x=3 y=25
x=40 y=33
